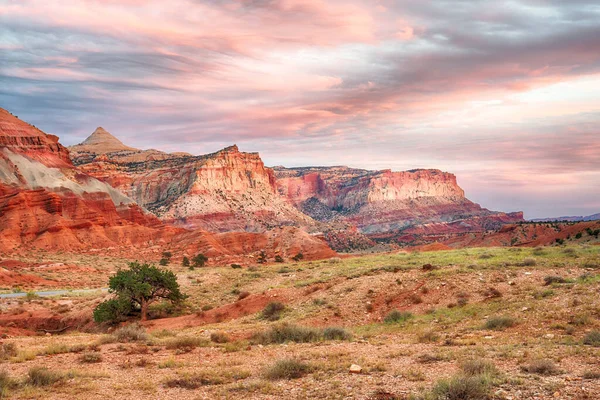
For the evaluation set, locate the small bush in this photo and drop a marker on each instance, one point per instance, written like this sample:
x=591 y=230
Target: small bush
x=287 y=369
x=499 y=323
x=130 y=333
x=415 y=298
x=236 y=266
x=90 y=357
x=272 y=311
x=185 y=344
x=529 y=262
x=193 y=381
x=429 y=267
x=549 y=280
x=243 y=295
x=41 y=376
x=541 y=367
x=6 y=383
x=334 y=333
x=492 y=293
x=219 y=337
x=279 y=259
x=288 y=333
x=396 y=316
x=8 y=350
x=428 y=337
x=591 y=375
x=479 y=367
x=298 y=257
x=486 y=256
x=163 y=262
x=462 y=388
x=592 y=339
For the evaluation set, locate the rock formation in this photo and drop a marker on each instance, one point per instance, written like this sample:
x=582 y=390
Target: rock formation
x=225 y=191
x=386 y=205
x=48 y=203
x=233 y=191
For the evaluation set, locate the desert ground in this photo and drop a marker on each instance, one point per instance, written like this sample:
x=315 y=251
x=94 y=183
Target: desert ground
x=480 y=323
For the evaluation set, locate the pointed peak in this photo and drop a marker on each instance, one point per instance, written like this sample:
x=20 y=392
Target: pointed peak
x=101 y=141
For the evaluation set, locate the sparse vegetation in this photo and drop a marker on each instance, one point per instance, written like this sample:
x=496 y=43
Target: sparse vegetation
x=396 y=316
x=219 y=337
x=90 y=357
x=499 y=323
x=287 y=369
x=41 y=376
x=592 y=339
x=272 y=311
x=541 y=367
x=130 y=333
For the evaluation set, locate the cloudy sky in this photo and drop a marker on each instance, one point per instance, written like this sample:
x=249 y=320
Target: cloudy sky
x=506 y=94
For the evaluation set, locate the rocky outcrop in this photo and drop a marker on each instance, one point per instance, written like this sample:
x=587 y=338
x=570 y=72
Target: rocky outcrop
x=20 y=137
x=385 y=205
x=48 y=203
x=233 y=191
x=225 y=191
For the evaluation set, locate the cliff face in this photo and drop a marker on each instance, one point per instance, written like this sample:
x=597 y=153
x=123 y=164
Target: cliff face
x=225 y=191
x=233 y=191
x=47 y=202
x=384 y=203
x=19 y=137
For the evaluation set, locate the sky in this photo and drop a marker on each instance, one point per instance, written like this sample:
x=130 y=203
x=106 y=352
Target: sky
x=505 y=94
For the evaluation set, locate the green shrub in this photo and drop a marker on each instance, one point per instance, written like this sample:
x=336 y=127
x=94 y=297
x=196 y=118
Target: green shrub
x=236 y=266
x=287 y=369
x=499 y=323
x=462 y=388
x=396 y=316
x=278 y=259
x=592 y=339
x=272 y=311
x=334 y=333
x=199 y=260
x=298 y=257
x=112 y=311
x=185 y=262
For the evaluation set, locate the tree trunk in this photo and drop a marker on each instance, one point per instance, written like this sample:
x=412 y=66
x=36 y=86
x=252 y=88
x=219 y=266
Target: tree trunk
x=144 y=310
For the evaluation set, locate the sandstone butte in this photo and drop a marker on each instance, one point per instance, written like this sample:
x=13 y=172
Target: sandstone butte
x=47 y=202
x=233 y=191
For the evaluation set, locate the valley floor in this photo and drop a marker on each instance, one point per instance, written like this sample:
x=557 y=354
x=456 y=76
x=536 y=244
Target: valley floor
x=507 y=323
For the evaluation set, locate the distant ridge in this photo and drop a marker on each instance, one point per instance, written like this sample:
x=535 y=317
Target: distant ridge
x=593 y=217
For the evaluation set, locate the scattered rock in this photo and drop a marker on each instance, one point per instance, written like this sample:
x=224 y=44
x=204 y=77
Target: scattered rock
x=355 y=369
